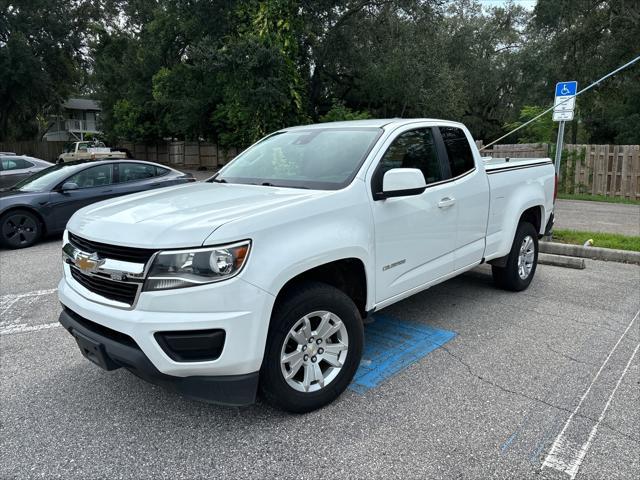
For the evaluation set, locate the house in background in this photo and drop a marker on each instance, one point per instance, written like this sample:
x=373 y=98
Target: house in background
x=79 y=117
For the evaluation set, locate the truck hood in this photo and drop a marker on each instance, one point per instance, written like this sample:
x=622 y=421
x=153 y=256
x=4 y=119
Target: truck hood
x=176 y=217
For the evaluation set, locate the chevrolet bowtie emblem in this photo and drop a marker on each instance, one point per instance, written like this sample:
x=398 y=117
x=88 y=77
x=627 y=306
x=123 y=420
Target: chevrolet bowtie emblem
x=88 y=263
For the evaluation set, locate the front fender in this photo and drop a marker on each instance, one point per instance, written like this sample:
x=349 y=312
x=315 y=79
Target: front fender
x=297 y=238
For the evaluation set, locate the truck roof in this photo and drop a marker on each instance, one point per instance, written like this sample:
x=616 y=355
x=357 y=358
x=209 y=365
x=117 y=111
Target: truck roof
x=372 y=123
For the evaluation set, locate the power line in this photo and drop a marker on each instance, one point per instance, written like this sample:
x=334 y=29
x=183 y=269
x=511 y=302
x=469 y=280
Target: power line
x=564 y=101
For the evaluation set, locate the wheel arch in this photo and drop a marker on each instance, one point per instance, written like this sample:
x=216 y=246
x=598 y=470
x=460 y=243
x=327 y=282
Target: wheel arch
x=347 y=275
x=534 y=216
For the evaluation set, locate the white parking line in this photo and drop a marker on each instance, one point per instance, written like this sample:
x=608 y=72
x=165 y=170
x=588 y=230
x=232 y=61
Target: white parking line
x=11 y=318
x=585 y=448
x=564 y=456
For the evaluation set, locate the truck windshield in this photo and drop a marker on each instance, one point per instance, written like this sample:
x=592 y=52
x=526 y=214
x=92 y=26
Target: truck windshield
x=318 y=158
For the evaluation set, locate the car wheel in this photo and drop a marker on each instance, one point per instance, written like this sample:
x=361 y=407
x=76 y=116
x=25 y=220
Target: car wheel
x=60 y=160
x=19 y=229
x=522 y=261
x=313 y=348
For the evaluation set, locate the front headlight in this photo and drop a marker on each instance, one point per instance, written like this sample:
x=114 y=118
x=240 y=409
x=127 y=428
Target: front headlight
x=188 y=268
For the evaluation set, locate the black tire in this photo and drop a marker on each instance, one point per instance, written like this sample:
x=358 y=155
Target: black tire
x=19 y=229
x=59 y=161
x=299 y=302
x=508 y=277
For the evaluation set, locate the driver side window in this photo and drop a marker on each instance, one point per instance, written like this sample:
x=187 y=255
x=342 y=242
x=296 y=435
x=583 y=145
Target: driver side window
x=97 y=176
x=412 y=149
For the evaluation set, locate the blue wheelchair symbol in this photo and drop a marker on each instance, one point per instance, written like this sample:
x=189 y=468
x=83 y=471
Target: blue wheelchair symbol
x=565 y=89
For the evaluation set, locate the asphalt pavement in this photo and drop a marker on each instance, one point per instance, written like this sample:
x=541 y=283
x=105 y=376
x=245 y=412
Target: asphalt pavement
x=532 y=384
x=598 y=216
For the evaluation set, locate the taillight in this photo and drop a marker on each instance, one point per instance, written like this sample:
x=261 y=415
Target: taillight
x=555 y=187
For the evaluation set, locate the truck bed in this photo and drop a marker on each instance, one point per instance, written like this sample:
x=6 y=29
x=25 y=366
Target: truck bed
x=515 y=183
x=497 y=164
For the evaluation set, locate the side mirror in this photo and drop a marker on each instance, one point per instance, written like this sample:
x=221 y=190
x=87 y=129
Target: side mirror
x=66 y=186
x=402 y=182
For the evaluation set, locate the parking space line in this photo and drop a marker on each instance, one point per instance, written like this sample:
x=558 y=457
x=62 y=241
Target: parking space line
x=28 y=328
x=563 y=456
x=585 y=448
x=11 y=322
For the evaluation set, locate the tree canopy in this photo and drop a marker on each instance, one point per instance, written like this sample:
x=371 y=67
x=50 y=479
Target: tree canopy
x=232 y=71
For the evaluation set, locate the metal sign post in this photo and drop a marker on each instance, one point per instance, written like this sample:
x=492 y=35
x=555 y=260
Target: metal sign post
x=559 y=147
x=564 y=105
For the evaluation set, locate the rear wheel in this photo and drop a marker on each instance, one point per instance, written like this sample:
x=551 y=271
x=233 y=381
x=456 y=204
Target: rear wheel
x=313 y=348
x=522 y=261
x=19 y=229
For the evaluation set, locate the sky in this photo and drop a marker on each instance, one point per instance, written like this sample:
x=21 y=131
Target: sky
x=528 y=4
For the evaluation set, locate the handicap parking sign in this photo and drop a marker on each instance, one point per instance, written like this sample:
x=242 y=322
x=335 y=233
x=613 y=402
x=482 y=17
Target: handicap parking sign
x=565 y=101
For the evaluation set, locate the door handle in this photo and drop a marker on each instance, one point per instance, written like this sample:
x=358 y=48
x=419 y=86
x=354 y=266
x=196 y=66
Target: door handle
x=446 y=202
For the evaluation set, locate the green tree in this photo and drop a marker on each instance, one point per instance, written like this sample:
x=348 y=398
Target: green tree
x=339 y=112
x=583 y=40
x=540 y=131
x=263 y=89
x=41 y=45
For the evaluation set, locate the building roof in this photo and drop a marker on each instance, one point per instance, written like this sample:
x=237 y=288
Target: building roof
x=81 y=104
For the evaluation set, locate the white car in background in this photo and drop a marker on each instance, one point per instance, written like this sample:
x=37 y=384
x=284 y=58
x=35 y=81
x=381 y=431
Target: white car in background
x=14 y=168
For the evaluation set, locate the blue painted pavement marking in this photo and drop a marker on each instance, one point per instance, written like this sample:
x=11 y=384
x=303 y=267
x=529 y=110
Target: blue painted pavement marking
x=391 y=346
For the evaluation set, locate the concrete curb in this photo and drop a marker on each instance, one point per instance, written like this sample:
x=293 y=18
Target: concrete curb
x=594 y=253
x=561 y=261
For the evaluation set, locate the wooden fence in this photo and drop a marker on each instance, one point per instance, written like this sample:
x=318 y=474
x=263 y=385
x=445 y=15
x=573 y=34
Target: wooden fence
x=520 y=150
x=44 y=150
x=189 y=155
x=609 y=170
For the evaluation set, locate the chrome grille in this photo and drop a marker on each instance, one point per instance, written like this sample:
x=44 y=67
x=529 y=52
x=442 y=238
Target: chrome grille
x=123 y=292
x=115 y=252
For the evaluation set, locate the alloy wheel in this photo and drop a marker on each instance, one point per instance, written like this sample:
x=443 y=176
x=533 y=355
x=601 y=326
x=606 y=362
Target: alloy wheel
x=526 y=257
x=314 y=351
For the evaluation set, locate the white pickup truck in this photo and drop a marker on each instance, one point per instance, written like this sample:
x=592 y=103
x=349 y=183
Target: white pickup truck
x=88 y=151
x=259 y=278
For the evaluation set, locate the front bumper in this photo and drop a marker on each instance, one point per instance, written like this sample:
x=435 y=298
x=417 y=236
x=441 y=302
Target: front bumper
x=111 y=350
x=235 y=306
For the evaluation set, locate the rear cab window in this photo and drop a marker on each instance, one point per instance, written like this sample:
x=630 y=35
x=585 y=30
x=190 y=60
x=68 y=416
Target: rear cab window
x=458 y=150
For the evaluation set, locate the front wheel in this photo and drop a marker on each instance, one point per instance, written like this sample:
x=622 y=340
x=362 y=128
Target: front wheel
x=522 y=261
x=313 y=348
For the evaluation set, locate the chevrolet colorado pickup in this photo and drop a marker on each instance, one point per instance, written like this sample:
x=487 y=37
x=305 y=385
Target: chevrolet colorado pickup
x=258 y=279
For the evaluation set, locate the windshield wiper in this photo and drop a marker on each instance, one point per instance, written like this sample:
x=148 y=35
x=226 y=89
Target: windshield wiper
x=219 y=180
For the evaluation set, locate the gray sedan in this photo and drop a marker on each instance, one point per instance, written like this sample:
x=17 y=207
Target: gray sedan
x=14 y=168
